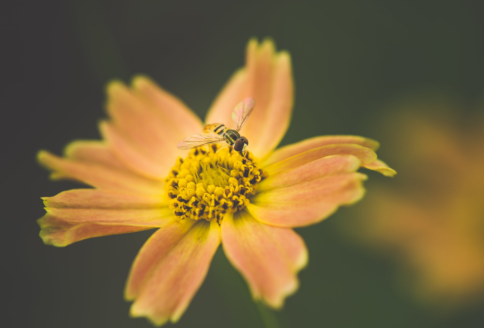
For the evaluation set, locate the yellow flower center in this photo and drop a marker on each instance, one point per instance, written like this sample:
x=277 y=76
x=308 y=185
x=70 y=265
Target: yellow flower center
x=212 y=181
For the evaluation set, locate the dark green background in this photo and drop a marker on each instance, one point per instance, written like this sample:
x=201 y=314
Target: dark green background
x=350 y=59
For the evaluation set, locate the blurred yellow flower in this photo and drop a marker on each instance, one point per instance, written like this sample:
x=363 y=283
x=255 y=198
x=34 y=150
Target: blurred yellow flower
x=433 y=224
x=204 y=197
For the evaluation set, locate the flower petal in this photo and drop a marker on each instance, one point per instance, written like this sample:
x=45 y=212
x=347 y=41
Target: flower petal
x=131 y=155
x=366 y=156
x=381 y=167
x=93 y=151
x=156 y=248
x=57 y=232
x=170 y=268
x=267 y=77
x=98 y=175
x=153 y=217
x=224 y=103
x=169 y=108
x=85 y=213
x=329 y=165
x=102 y=199
x=268 y=257
x=147 y=122
x=307 y=202
x=316 y=142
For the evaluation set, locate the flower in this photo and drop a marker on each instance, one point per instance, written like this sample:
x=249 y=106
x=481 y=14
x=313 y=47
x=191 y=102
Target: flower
x=432 y=224
x=201 y=198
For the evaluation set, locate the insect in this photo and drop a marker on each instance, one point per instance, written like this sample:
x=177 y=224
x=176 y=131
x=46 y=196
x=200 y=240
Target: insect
x=218 y=132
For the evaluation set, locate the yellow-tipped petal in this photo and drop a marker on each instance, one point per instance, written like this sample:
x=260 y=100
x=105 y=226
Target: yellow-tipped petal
x=170 y=269
x=98 y=175
x=152 y=252
x=146 y=125
x=266 y=77
x=365 y=155
x=316 y=142
x=57 y=232
x=79 y=214
x=325 y=166
x=268 y=257
x=381 y=167
x=167 y=107
x=93 y=151
x=102 y=199
x=307 y=202
x=138 y=159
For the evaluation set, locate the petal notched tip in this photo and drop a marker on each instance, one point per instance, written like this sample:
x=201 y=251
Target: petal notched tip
x=268 y=257
x=388 y=172
x=252 y=44
x=268 y=45
x=60 y=233
x=284 y=58
x=43 y=157
x=134 y=312
x=115 y=86
x=381 y=167
x=170 y=268
x=52 y=163
x=141 y=80
x=48 y=232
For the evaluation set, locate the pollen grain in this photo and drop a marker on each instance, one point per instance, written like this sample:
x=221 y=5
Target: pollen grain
x=212 y=181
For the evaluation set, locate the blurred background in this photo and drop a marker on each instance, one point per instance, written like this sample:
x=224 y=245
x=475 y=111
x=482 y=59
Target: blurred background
x=409 y=74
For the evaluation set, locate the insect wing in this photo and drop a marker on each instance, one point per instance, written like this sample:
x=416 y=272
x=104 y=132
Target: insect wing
x=198 y=140
x=241 y=111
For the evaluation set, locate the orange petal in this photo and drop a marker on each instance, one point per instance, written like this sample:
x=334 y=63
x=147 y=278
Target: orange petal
x=107 y=207
x=93 y=151
x=308 y=202
x=132 y=156
x=147 y=122
x=170 y=268
x=224 y=103
x=102 y=199
x=316 y=142
x=153 y=217
x=267 y=77
x=57 y=232
x=153 y=251
x=268 y=257
x=167 y=107
x=85 y=213
x=98 y=175
x=329 y=165
x=381 y=167
x=366 y=156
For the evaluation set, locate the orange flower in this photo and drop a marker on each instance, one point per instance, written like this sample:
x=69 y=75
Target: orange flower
x=433 y=224
x=207 y=196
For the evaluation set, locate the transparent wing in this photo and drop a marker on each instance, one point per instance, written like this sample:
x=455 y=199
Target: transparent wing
x=198 y=140
x=241 y=111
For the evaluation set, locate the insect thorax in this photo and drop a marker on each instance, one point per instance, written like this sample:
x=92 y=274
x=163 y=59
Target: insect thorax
x=231 y=136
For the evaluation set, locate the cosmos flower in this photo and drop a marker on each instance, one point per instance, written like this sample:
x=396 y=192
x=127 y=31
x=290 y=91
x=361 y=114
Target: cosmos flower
x=432 y=224
x=207 y=196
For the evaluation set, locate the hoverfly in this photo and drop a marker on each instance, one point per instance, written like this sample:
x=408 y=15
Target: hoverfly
x=218 y=132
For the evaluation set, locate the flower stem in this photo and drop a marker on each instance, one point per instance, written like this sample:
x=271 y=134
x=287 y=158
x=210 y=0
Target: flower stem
x=268 y=316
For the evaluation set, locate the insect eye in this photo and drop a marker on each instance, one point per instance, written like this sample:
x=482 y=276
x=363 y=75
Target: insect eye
x=239 y=144
x=246 y=141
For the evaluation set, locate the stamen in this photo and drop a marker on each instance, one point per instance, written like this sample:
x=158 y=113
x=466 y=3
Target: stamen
x=211 y=182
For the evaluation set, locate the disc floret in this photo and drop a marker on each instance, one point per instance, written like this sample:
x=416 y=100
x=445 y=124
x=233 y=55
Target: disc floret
x=212 y=181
